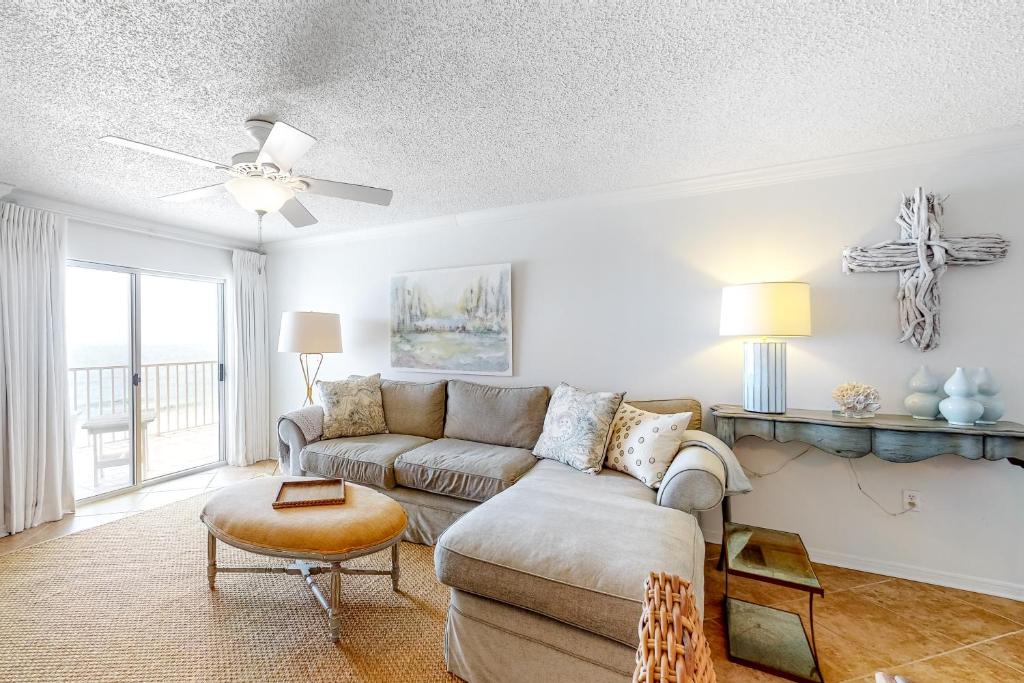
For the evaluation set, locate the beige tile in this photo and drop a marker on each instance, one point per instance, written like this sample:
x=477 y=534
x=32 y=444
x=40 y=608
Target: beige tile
x=857 y=636
x=956 y=667
x=726 y=670
x=126 y=502
x=1008 y=650
x=840 y=579
x=155 y=499
x=747 y=589
x=938 y=610
x=90 y=521
x=192 y=481
x=1004 y=607
x=228 y=475
x=29 y=537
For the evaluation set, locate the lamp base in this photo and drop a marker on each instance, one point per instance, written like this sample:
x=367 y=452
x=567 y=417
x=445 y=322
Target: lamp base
x=309 y=381
x=764 y=376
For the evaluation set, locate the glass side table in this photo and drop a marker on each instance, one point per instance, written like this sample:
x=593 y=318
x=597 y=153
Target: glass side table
x=767 y=638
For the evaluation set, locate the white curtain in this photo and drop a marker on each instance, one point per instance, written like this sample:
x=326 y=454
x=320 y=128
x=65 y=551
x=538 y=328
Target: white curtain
x=249 y=377
x=35 y=432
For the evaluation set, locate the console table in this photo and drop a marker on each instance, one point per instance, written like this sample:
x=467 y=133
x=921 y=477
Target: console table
x=895 y=438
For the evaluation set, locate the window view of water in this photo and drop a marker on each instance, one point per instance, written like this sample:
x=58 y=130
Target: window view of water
x=179 y=391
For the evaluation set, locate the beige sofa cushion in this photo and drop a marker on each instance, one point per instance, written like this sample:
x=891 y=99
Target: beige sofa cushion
x=463 y=469
x=572 y=546
x=415 y=408
x=242 y=514
x=361 y=459
x=507 y=416
x=673 y=405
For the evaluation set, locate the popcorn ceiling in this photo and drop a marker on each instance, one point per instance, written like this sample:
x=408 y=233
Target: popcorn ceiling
x=472 y=105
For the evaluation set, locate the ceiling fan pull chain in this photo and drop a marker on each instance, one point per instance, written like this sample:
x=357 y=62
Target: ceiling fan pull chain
x=259 y=232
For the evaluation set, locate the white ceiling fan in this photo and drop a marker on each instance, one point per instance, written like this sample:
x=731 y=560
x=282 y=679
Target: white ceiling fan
x=263 y=179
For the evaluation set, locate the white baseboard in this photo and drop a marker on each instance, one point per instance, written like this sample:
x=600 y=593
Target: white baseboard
x=975 y=584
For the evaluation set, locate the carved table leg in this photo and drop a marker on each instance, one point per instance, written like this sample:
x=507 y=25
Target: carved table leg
x=726 y=517
x=395 y=572
x=211 y=559
x=334 y=613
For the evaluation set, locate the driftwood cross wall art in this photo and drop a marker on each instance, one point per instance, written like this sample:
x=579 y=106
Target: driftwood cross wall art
x=921 y=256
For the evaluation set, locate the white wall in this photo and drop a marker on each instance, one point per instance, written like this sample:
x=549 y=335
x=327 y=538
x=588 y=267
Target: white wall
x=113 y=246
x=627 y=298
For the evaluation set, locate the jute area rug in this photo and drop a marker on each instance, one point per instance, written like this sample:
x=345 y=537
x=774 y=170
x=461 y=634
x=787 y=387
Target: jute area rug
x=128 y=601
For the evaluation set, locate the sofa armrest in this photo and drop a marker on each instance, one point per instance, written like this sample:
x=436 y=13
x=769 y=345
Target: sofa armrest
x=695 y=481
x=294 y=431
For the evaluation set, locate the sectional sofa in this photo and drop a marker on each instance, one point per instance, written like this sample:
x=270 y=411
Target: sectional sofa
x=545 y=563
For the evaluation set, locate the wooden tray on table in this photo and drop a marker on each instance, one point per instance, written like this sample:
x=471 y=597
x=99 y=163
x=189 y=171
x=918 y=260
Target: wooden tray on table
x=300 y=494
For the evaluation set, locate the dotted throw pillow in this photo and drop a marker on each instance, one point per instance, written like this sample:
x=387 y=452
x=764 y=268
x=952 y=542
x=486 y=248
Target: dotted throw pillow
x=643 y=444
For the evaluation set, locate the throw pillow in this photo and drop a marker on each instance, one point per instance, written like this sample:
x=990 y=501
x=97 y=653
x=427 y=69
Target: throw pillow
x=576 y=427
x=643 y=444
x=352 y=407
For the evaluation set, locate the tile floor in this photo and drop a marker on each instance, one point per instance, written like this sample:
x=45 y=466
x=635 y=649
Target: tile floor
x=869 y=623
x=111 y=509
x=866 y=622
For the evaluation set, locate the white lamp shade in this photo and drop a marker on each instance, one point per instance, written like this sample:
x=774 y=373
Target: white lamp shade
x=309 y=332
x=767 y=309
x=257 y=193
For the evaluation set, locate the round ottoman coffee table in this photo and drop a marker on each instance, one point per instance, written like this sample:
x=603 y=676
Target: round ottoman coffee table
x=367 y=522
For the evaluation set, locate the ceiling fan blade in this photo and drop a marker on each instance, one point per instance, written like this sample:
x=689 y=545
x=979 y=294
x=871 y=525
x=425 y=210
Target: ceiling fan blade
x=198 y=193
x=160 y=151
x=284 y=146
x=296 y=214
x=358 y=193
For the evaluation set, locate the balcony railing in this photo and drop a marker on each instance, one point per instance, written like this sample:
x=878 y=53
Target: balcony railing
x=178 y=395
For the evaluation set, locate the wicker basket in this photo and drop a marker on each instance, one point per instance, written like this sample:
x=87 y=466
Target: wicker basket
x=673 y=648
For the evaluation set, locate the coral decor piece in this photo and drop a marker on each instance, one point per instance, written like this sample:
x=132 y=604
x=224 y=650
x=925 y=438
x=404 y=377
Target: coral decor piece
x=856 y=400
x=921 y=256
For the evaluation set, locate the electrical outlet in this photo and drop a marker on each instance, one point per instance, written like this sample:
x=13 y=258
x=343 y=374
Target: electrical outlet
x=911 y=500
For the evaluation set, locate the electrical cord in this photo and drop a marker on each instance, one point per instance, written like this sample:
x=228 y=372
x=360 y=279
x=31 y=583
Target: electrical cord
x=760 y=475
x=856 y=478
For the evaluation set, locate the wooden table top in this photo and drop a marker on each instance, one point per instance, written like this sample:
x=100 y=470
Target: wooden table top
x=904 y=423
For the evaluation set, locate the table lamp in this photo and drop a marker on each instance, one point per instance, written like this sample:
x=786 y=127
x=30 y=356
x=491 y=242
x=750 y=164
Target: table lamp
x=766 y=309
x=309 y=334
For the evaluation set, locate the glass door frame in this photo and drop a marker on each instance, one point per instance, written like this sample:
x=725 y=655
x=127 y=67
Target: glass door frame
x=135 y=435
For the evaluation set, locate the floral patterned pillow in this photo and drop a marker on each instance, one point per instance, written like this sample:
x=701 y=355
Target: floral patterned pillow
x=644 y=444
x=576 y=427
x=352 y=407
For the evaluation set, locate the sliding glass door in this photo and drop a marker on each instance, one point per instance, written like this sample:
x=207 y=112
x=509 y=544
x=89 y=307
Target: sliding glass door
x=145 y=358
x=99 y=341
x=180 y=339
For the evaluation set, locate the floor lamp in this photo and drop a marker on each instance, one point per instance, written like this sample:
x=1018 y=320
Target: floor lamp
x=308 y=334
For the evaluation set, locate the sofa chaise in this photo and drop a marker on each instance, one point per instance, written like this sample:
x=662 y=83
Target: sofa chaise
x=546 y=564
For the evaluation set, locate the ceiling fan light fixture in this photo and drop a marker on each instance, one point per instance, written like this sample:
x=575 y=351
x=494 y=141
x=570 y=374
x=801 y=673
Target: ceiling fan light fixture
x=259 y=194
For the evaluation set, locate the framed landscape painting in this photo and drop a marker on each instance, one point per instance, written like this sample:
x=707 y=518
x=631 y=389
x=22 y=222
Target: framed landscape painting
x=453 y=320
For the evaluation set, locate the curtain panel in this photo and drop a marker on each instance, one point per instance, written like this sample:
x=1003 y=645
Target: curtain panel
x=249 y=384
x=36 y=435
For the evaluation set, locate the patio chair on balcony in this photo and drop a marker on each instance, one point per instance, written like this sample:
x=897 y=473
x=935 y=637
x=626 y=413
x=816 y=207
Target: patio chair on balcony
x=97 y=427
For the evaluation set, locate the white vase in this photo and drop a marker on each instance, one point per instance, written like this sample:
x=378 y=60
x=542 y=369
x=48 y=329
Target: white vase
x=923 y=404
x=988 y=396
x=960 y=408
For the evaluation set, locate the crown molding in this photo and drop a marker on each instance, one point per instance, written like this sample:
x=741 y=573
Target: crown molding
x=107 y=219
x=1005 y=140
